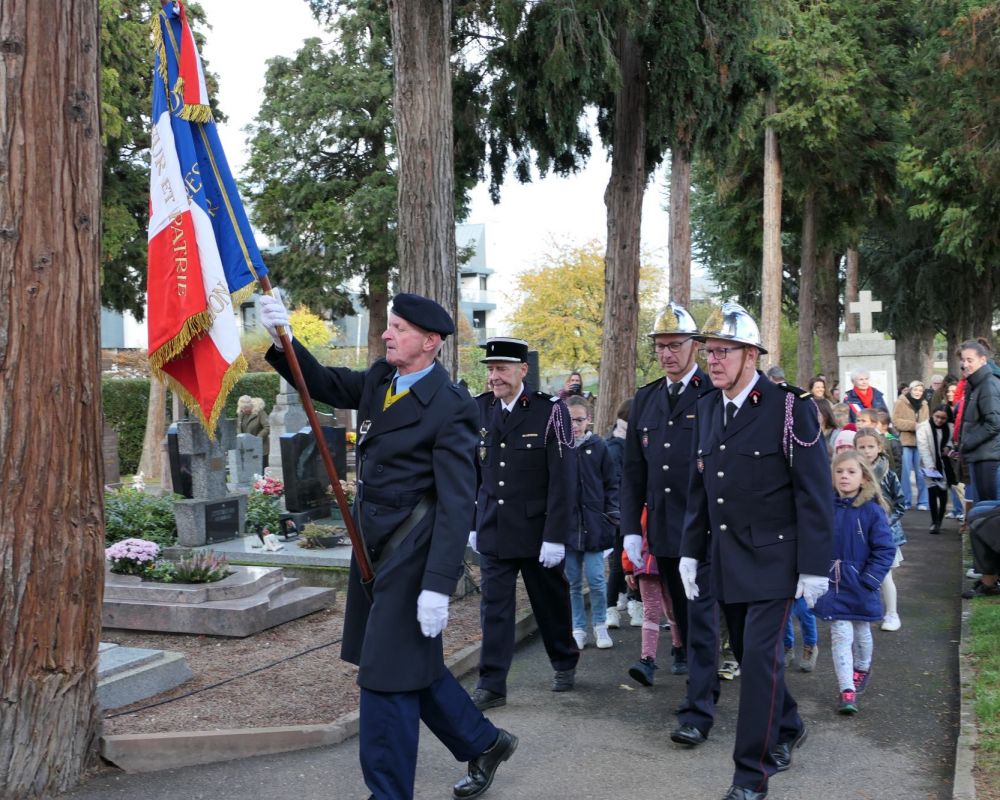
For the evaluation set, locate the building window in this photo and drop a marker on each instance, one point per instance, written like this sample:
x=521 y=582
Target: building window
x=482 y=283
x=478 y=319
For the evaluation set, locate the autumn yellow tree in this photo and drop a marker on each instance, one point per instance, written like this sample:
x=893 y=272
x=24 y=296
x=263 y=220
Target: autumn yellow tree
x=560 y=306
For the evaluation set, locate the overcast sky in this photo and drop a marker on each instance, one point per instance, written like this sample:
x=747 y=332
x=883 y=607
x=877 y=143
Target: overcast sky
x=529 y=220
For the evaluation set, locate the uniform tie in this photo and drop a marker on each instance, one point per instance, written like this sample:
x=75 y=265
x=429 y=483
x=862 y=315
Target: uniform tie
x=730 y=412
x=504 y=413
x=673 y=393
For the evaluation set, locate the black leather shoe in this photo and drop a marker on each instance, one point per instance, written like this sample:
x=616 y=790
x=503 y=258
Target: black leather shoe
x=782 y=752
x=687 y=734
x=563 y=680
x=742 y=793
x=484 y=767
x=484 y=698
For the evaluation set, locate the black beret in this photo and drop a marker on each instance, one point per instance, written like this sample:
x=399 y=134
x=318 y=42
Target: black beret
x=501 y=348
x=424 y=313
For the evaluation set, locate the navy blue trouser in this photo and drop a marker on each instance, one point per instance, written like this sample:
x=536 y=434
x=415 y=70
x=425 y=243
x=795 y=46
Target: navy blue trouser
x=548 y=592
x=702 y=644
x=768 y=712
x=390 y=730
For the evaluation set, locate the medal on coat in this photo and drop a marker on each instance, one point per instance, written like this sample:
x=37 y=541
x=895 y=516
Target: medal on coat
x=482 y=446
x=645 y=438
x=700 y=462
x=363 y=429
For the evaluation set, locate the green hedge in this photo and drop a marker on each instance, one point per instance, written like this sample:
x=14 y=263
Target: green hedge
x=126 y=401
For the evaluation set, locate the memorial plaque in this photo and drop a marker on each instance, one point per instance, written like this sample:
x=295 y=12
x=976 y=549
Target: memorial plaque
x=222 y=521
x=180 y=465
x=303 y=472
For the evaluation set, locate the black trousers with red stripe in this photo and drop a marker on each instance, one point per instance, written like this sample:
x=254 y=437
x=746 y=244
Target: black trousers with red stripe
x=768 y=713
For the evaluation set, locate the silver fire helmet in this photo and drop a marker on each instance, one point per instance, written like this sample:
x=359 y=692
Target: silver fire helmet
x=731 y=321
x=674 y=318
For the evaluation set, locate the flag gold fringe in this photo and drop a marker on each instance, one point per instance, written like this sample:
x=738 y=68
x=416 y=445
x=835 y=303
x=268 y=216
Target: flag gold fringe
x=240 y=296
x=193 y=326
x=233 y=374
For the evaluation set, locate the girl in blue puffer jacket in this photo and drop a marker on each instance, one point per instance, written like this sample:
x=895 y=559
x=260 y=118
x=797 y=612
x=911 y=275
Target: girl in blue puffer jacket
x=862 y=555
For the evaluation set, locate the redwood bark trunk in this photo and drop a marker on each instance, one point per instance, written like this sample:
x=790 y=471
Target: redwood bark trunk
x=680 y=227
x=915 y=355
x=828 y=312
x=623 y=200
x=851 y=290
x=378 y=314
x=51 y=504
x=807 y=293
x=421 y=50
x=150 y=462
x=770 y=284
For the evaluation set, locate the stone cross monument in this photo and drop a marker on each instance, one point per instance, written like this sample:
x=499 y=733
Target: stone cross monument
x=868 y=349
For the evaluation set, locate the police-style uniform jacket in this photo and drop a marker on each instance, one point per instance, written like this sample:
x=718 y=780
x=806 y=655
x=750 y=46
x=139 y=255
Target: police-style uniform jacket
x=525 y=475
x=656 y=469
x=764 y=515
x=595 y=513
x=423 y=443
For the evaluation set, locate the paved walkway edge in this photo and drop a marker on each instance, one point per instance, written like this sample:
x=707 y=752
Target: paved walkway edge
x=150 y=752
x=964 y=786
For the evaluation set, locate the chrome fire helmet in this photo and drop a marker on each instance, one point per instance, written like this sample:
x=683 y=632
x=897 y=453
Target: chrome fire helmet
x=674 y=318
x=731 y=321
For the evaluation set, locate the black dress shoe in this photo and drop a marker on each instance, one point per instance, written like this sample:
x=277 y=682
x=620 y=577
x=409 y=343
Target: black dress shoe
x=687 y=734
x=782 y=752
x=563 y=680
x=742 y=793
x=484 y=698
x=484 y=767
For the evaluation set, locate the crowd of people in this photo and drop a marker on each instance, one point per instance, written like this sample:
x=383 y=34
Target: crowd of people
x=722 y=504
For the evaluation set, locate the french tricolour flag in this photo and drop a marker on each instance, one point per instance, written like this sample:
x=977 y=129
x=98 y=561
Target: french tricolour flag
x=203 y=259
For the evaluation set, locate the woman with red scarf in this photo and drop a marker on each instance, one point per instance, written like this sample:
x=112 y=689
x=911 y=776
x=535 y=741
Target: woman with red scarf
x=862 y=394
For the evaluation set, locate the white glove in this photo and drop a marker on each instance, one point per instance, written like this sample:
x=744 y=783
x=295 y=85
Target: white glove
x=272 y=314
x=551 y=554
x=812 y=588
x=689 y=576
x=633 y=549
x=432 y=612
x=472 y=540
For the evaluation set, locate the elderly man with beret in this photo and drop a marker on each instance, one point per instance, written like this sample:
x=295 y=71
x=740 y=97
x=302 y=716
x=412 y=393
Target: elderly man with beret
x=416 y=483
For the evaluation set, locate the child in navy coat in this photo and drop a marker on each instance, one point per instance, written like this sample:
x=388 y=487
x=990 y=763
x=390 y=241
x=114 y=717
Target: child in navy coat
x=862 y=555
x=593 y=526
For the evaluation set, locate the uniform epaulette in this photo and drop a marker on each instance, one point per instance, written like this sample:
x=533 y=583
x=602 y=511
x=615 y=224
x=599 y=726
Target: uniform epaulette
x=657 y=382
x=801 y=393
x=552 y=398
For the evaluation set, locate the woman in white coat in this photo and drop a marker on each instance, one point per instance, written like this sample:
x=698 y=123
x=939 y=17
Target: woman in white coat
x=934 y=451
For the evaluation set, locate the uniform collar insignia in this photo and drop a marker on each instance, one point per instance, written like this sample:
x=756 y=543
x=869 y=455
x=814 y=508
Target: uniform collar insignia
x=696 y=381
x=754 y=397
x=524 y=401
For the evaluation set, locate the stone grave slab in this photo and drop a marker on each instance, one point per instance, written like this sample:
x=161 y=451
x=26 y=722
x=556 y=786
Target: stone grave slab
x=246 y=602
x=126 y=675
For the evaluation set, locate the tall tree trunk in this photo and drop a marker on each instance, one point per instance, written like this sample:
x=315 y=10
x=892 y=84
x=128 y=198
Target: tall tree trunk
x=680 y=227
x=770 y=284
x=150 y=462
x=807 y=292
x=851 y=289
x=623 y=200
x=981 y=308
x=953 y=335
x=378 y=313
x=915 y=355
x=51 y=503
x=828 y=312
x=421 y=49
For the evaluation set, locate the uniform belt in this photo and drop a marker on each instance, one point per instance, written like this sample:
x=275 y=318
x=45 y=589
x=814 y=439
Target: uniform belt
x=387 y=498
x=404 y=530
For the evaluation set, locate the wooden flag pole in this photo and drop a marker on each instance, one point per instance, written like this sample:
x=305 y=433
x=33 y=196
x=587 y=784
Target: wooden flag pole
x=357 y=544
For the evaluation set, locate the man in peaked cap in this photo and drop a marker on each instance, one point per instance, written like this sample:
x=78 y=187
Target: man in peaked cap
x=416 y=482
x=522 y=519
x=655 y=475
x=759 y=509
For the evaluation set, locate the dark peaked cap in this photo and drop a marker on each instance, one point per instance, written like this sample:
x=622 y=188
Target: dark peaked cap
x=502 y=348
x=424 y=313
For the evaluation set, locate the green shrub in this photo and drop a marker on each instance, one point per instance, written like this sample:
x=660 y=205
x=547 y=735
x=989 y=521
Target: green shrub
x=131 y=514
x=263 y=513
x=126 y=401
